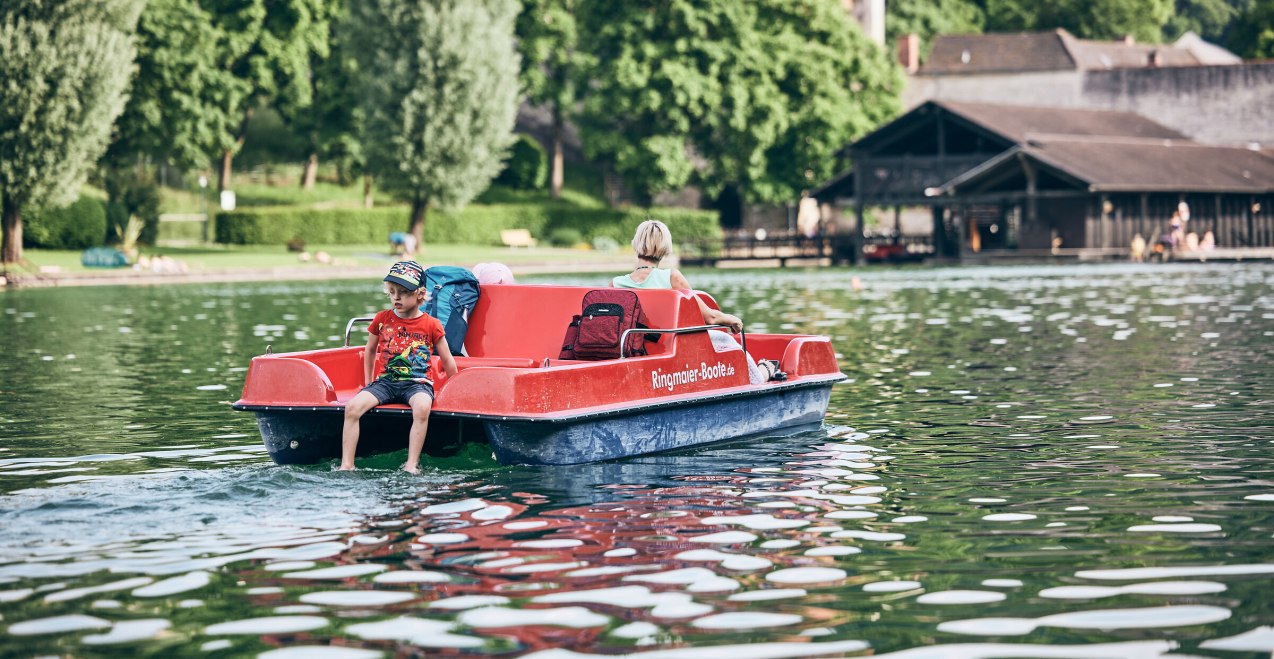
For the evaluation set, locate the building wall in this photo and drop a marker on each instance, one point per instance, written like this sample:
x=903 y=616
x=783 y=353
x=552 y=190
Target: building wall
x=1211 y=104
x=1047 y=89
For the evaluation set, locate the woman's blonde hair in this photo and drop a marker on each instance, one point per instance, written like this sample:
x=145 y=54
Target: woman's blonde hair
x=653 y=240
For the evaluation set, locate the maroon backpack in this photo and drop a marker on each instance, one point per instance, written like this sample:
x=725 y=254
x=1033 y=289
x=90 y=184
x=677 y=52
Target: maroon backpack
x=595 y=333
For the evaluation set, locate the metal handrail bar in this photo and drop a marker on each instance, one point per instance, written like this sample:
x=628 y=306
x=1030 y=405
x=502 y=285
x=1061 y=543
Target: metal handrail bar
x=350 y=325
x=623 y=338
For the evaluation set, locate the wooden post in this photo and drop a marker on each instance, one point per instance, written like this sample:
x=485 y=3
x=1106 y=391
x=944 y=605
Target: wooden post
x=1145 y=218
x=1104 y=227
x=856 y=238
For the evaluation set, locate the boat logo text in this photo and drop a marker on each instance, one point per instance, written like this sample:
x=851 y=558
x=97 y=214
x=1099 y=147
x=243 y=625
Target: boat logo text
x=670 y=381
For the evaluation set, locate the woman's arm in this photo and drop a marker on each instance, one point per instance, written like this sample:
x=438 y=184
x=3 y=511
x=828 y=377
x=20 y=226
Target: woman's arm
x=710 y=316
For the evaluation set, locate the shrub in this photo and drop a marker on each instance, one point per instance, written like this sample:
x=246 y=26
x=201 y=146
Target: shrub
x=475 y=225
x=565 y=237
x=136 y=195
x=527 y=167
x=78 y=226
x=605 y=244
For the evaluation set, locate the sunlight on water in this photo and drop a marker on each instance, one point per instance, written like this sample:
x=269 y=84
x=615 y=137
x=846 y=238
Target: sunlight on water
x=1026 y=462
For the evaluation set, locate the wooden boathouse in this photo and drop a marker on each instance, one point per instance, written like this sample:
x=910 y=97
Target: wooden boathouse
x=1003 y=180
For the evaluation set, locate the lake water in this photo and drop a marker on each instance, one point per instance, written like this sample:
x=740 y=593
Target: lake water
x=1026 y=462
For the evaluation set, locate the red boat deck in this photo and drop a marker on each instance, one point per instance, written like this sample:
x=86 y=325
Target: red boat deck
x=515 y=335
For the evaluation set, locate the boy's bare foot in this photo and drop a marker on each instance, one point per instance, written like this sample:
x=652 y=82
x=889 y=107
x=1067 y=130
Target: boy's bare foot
x=411 y=469
x=345 y=468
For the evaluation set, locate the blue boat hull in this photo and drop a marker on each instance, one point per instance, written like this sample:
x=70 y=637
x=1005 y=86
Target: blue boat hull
x=305 y=435
x=653 y=430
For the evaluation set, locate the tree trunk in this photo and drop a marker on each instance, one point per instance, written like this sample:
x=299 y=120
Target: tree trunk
x=555 y=178
x=418 y=210
x=227 y=156
x=367 y=190
x=227 y=162
x=12 y=223
x=311 y=172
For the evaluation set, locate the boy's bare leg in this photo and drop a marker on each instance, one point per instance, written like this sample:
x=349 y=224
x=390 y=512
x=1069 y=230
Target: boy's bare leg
x=421 y=405
x=354 y=410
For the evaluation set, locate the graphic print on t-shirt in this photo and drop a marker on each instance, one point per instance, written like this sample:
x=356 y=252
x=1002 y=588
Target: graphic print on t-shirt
x=406 y=347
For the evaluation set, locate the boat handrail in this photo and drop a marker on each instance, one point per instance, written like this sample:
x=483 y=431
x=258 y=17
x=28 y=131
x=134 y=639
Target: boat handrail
x=623 y=338
x=350 y=325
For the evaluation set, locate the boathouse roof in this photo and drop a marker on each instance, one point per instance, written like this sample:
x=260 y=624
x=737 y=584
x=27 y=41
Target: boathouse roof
x=1123 y=165
x=938 y=140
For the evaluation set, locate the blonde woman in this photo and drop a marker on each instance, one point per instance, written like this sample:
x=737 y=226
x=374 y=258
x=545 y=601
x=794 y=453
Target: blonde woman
x=653 y=242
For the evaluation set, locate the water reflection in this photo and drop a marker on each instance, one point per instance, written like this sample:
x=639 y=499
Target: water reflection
x=1027 y=462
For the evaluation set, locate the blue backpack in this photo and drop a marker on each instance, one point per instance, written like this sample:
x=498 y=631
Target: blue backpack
x=453 y=293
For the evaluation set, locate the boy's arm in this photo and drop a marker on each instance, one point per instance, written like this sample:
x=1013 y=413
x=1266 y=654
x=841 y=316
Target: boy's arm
x=369 y=358
x=444 y=354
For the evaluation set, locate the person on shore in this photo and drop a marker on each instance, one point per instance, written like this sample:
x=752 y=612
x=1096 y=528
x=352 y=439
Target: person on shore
x=1138 y=248
x=401 y=342
x=1208 y=241
x=652 y=242
x=402 y=245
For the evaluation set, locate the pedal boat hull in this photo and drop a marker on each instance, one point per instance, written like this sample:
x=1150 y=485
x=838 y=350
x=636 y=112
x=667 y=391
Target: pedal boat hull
x=543 y=411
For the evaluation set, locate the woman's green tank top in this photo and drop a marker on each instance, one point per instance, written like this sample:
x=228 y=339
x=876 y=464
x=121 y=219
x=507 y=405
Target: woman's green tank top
x=658 y=278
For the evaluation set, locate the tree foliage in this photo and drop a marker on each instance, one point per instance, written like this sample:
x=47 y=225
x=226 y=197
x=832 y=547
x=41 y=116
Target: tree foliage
x=439 y=96
x=723 y=94
x=547 y=36
x=183 y=105
x=1210 y=19
x=269 y=45
x=1253 y=35
x=64 y=73
x=1088 y=19
x=928 y=18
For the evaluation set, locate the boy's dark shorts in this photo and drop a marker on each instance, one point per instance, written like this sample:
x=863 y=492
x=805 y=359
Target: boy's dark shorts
x=398 y=391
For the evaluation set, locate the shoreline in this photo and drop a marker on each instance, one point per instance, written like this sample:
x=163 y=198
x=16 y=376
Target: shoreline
x=281 y=273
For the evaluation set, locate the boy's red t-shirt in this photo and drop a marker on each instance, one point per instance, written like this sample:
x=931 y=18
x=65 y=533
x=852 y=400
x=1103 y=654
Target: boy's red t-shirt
x=404 y=346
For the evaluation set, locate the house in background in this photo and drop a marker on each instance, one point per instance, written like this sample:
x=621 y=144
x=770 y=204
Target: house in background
x=1199 y=89
x=1017 y=143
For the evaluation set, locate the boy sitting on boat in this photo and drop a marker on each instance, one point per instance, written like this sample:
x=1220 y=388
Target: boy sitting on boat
x=400 y=343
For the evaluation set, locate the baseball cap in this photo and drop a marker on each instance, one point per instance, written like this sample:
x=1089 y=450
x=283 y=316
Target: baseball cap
x=407 y=274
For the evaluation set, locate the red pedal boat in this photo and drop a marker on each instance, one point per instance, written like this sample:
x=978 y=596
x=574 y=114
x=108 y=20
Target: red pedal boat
x=533 y=408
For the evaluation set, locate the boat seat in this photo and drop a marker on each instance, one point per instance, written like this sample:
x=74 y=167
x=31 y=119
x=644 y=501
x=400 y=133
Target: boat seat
x=510 y=321
x=499 y=362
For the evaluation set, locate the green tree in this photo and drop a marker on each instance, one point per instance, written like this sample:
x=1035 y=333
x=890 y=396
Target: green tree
x=183 y=104
x=439 y=93
x=928 y=18
x=320 y=111
x=1210 y=19
x=754 y=96
x=1088 y=19
x=547 y=38
x=1253 y=34
x=64 y=73
x=269 y=45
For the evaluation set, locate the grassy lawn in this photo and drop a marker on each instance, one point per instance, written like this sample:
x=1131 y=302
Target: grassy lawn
x=254 y=257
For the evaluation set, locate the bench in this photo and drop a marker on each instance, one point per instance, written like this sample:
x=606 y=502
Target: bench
x=517 y=238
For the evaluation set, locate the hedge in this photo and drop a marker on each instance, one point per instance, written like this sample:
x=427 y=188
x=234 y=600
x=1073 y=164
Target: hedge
x=475 y=225
x=80 y=225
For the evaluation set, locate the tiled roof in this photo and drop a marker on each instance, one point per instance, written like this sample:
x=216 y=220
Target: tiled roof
x=1141 y=165
x=1002 y=51
x=1056 y=50
x=1017 y=123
